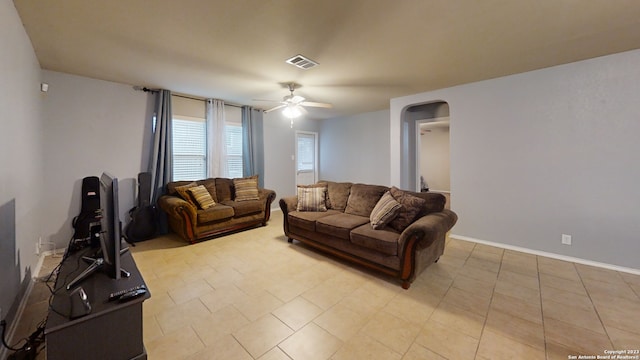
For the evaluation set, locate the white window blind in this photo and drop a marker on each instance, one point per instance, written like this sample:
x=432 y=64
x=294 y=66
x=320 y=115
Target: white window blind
x=234 y=149
x=306 y=152
x=189 y=149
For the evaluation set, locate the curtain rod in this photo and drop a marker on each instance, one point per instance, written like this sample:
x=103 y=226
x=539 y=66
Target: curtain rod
x=146 y=89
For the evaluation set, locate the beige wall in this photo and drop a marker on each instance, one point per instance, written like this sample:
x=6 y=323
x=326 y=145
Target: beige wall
x=434 y=158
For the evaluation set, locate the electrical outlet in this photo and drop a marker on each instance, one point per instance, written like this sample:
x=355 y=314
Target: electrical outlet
x=566 y=239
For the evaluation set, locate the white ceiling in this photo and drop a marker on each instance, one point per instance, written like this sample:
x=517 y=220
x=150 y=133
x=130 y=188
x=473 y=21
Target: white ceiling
x=369 y=50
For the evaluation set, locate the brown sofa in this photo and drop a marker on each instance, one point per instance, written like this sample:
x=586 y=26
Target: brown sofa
x=187 y=219
x=344 y=229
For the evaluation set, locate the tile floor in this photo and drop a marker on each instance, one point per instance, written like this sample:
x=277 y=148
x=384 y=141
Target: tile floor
x=252 y=295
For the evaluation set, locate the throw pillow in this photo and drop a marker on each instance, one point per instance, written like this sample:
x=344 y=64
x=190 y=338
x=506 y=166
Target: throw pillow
x=312 y=198
x=186 y=195
x=246 y=188
x=202 y=196
x=385 y=210
x=411 y=207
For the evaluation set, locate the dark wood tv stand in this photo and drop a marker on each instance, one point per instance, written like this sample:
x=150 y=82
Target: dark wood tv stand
x=111 y=331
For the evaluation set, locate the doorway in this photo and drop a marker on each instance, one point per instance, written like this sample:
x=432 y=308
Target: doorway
x=306 y=157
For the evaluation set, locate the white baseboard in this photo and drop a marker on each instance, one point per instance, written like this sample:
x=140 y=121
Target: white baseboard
x=548 y=254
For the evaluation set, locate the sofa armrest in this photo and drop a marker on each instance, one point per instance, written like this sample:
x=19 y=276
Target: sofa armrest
x=289 y=204
x=177 y=207
x=427 y=229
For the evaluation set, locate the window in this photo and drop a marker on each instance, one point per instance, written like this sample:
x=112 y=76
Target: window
x=190 y=145
x=306 y=152
x=189 y=148
x=233 y=133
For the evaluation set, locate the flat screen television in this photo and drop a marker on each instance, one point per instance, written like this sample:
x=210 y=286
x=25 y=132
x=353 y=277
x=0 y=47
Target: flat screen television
x=110 y=225
x=107 y=258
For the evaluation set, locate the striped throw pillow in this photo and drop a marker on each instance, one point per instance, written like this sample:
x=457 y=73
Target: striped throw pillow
x=312 y=198
x=184 y=193
x=246 y=188
x=202 y=196
x=385 y=210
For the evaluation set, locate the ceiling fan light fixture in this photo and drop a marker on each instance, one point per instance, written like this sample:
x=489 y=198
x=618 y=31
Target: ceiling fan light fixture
x=291 y=111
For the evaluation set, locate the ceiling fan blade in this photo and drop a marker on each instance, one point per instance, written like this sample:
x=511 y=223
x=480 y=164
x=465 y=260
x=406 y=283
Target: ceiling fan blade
x=297 y=99
x=275 y=108
x=316 y=104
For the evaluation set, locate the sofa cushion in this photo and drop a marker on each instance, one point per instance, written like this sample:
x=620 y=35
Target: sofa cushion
x=242 y=208
x=202 y=196
x=385 y=210
x=246 y=188
x=337 y=194
x=224 y=189
x=384 y=241
x=312 y=198
x=210 y=185
x=183 y=191
x=215 y=213
x=411 y=208
x=339 y=225
x=363 y=198
x=307 y=219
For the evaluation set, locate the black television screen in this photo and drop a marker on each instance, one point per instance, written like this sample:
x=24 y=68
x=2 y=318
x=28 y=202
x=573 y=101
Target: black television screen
x=110 y=238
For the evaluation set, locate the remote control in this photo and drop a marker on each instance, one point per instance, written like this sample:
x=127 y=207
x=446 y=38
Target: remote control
x=132 y=294
x=118 y=294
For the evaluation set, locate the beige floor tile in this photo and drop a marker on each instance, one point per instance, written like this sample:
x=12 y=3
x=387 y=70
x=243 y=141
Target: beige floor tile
x=261 y=335
x=558 y=268
x=468 y=301
x=254 y=307
x=623 y=339
x=429 y=284
x=519 y=330
x=297 y=312
x=497 y=346
x=566 y=297
x=181 y=315
x=150 y=329
x=623 y=316
x=447 y=342
x=459 y=319
x=599 y=274
x=342 y=321
x=479 y=274
x=574 y=286
x=311 y=343
x=274 y=354
x=574 y=315
x=517 y=291
x=391 y=331
x=414 y=309
x=530 y=282
x=223 y=295
x=574 y=338
x=223 y=348
x=365 y=348
x=484 y=289
x=418 y=352
x=219 y=324
x=489 y=265
x=517 y=308
x=600 y=290
x=189 y=291
x=177 y=344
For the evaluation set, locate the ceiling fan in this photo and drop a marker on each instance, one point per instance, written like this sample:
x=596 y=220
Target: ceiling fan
x=293 y=105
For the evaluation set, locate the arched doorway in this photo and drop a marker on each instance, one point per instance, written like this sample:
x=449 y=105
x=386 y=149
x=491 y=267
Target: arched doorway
x=414 y=117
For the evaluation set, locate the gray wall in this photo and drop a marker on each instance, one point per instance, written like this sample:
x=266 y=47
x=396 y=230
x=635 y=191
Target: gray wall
x=91 y=126
x=543 y=153
x=356 y=148
x=21 y=180
x=279 y=146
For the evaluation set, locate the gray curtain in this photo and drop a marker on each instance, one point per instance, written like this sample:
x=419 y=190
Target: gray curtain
x=160 y=165
x=252 y=144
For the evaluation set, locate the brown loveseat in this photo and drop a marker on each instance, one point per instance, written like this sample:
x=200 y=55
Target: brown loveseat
x=410 y=237
x=229 y=212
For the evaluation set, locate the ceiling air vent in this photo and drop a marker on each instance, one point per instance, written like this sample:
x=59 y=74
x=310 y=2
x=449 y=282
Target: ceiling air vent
x=302 y=62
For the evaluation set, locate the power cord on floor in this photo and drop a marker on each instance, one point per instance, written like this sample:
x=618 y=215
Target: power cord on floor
x=32 y=344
